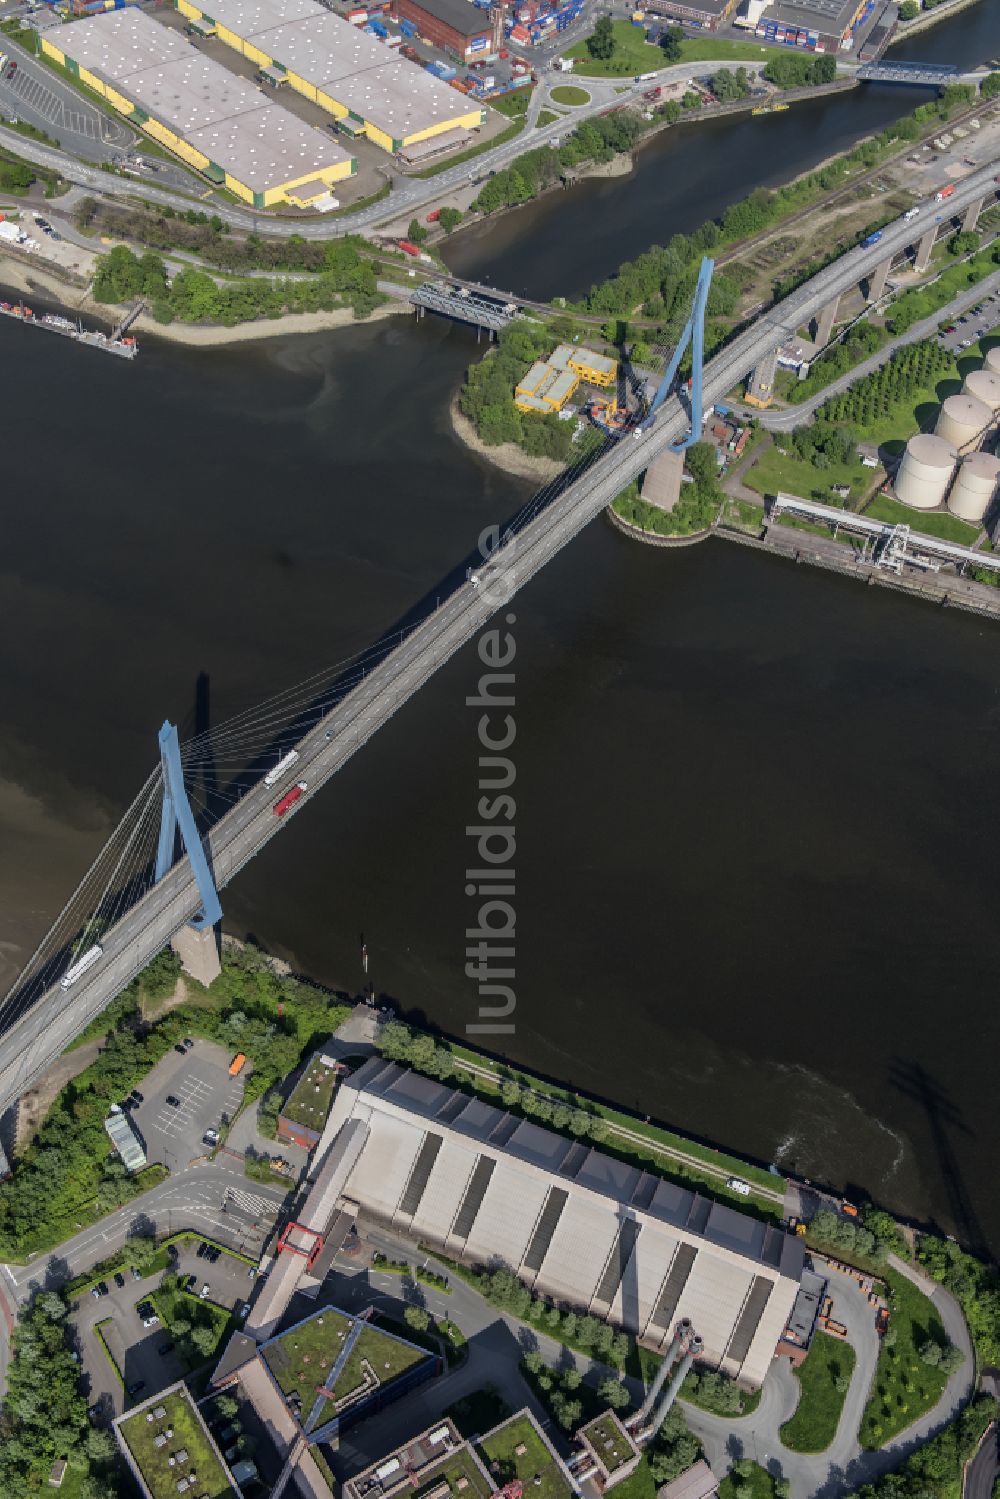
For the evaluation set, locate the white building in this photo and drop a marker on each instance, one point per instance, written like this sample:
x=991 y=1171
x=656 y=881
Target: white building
x=577 y=1225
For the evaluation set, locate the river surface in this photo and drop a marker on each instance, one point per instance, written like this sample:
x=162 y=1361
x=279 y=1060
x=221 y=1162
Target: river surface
x=564 y=242
x=756 y=857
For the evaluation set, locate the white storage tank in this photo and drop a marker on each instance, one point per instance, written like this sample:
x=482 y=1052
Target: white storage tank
x=993 y=360
x=974 y=487
x=984 y=385
x=925 y=471
x=963 y=420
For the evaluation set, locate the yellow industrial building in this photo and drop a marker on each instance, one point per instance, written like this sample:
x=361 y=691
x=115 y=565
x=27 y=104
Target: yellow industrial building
x=214 y=121
x=551 y=382
x=340 y=68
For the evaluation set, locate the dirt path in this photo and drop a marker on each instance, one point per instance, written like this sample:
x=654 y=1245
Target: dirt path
x=35 y=1104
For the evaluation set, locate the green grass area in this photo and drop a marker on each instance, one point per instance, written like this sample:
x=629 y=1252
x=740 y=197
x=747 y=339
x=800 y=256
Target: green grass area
x=154 y=1463
x=545 y=117
x=606 y=1436
x=776 y=471
x=312 y=1096
x=904 y=1387
x=743 y=515
x=453 y=161
x=938 y=523
x=99 y=1329
x=633 y=54
x=452 y=1470
x=514 y=104
x=568 y=93
x=824 y=1377
x=535 y=1463
x=387 y=1356
x=303 y=1356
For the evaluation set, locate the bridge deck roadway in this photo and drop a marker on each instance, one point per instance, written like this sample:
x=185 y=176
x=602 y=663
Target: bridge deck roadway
x=32 y=1042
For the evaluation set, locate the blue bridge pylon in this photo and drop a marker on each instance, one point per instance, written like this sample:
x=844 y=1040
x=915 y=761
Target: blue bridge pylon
x=177 y=816
x=694 y=334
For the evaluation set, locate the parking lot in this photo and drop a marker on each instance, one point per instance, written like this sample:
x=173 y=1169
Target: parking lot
x=959 y=333
x=34 y=94
x=205 y=1094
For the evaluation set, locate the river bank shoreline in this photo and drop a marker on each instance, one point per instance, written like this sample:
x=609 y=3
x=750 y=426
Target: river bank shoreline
x=507 y=456
x=929 y=18
x=39 y=281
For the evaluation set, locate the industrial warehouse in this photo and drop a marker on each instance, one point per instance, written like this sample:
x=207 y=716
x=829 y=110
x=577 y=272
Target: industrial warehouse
x=576 y=1225
x=217 y=123
x=351 y=75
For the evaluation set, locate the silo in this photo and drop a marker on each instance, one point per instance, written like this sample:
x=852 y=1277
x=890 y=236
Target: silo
x=984 y=385
x=925 y=471
x=993 y=360
x=974 y=486
x=963 y=420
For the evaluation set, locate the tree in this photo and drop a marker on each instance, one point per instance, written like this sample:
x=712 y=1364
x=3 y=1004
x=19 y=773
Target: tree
x=930 y=1353
x=672 y=43
x=449 y=219
x=909 y=10
x=417 y=232
x=227 y=1405
x=990 y=85
x=417 y=1318
x=612 y=1392
x=601 y=45
x=965 y=242
x=142 y=1250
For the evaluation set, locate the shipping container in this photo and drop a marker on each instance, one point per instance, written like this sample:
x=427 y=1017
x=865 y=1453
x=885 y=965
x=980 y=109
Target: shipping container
x=405 y=244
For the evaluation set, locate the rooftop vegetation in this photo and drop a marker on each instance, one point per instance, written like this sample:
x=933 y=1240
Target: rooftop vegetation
x=189 y=1434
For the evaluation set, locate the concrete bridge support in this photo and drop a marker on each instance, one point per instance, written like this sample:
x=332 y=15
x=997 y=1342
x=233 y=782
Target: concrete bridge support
x=761 y=392
x=661 y=483
x=972 y=213
x=199 y=953
x=877 y=280
x=825 y=322
x=924 y=248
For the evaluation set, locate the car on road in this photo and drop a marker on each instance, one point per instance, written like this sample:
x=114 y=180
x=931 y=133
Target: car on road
x=172 y=1102
x=737 y=1184
x=119 y=1280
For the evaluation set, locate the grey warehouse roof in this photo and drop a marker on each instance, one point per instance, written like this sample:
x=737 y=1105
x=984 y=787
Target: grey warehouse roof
x=192 y=92
x=829 y=16
x=114 y=45
x=267 y=148
x=462 y=16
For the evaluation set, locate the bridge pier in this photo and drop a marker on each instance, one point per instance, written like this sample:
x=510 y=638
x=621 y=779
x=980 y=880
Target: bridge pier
x=761 y=391
x=923 y=256
x=877 y=280
x=972 y=213
x=198 y=952
x=661 y=483
x=825 y=322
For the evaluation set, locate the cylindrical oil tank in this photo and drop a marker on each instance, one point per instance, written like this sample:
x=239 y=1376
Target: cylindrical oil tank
x=983 y=386
x=963 y=420
x=974 y=487
x=993 y=360
x=925 y=471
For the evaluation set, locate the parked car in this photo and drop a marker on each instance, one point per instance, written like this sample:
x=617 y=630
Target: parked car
x=187 y=1043
x=102 y=1288
x=136 y=1273
x=179 y=1048
x=151 y=1320
x=205 y=1291
x=173 y=1102
x=210 y=1137
x=213 y=1253
x=244 y=1311
x=737 y=1184
x=202 y=1249
x=119 y=1280
x=95 y=1292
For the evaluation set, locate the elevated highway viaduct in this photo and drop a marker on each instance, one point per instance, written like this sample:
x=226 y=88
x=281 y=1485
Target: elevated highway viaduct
x=37 y=1035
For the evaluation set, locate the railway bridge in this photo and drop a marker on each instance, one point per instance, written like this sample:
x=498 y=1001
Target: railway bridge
x=39 y=1017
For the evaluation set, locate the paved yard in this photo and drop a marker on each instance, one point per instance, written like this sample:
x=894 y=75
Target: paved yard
x=199 y=1079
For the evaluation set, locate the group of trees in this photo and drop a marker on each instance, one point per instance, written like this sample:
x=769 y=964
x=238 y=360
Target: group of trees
x=714 y=1392
x=44 y=1416
x=800 y=70
x=924 y=301
x=69 y=1169
x=420 y=1051
x=487 y=397
x=598 y=139
x=976 y=1286
x=864 y=338
x=696 y=507
x=601 y=42
x=911 y=369
x=194 y=297
x=599 y=1340
x=15 y=176
x=731 y=83
x=873 y=1237
x=934 y=1471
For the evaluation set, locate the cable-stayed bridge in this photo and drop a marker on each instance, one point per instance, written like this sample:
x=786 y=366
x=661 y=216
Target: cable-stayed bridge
x=133 y=901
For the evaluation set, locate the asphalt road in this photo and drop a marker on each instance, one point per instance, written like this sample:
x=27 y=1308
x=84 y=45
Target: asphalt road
x=41 y=1034
x=38 y=96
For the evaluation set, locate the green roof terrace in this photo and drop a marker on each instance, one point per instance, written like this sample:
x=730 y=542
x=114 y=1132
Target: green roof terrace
x=167 y=1445
x=309 y=1103
x=518 y=1449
